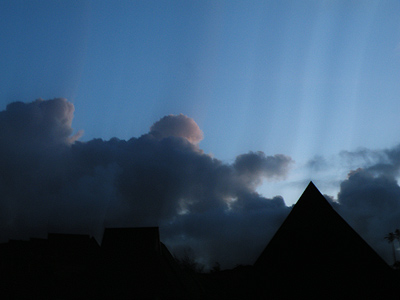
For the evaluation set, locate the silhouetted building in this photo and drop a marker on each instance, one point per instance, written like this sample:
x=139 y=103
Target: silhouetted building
x=60 y=267
x=316 y=254
x=132 y=263
x=141 y=267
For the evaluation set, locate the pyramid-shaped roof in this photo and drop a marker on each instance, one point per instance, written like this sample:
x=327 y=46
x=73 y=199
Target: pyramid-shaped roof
x=316 y=247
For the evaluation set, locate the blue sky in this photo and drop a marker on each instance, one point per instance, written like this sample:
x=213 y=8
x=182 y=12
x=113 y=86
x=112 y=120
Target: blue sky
x=317 y=81
x=301 y=78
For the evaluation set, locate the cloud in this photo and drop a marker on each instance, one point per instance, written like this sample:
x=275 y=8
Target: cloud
x=177 y=126
x=365 y=158
x=50 y=181
x=258 y=165
x=39 y=122
x=369 y=195
x=231 y=237
x=370 y=202
x=368 y=198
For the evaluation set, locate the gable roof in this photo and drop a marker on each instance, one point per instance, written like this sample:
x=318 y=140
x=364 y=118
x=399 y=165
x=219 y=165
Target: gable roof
x=316 y=247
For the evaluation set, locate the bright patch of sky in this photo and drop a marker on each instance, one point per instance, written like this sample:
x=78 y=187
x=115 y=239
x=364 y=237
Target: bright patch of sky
x=301 y=78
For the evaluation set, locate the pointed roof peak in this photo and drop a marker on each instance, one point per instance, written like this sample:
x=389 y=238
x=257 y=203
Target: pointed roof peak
x=311 y=186
x=312 y=197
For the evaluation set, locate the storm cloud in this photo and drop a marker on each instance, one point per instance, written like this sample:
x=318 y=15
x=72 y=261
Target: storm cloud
x=369 y=198
x=52 y=182
x=371 y=205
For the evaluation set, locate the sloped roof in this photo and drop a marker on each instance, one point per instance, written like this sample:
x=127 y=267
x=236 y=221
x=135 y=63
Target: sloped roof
x=316 y=247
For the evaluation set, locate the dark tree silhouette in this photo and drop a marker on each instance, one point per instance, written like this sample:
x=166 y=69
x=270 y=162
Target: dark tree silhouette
x=397 y=234
x=216 y=267
x=188 y=261
x=391 y=237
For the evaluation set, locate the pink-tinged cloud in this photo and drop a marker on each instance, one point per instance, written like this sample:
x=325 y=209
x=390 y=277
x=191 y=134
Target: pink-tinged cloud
x=177 y=126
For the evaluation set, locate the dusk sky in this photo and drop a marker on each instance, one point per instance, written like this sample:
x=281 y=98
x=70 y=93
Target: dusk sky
x=206 y=118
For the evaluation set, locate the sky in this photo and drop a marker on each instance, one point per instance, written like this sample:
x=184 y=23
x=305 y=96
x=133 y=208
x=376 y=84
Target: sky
x=206 y=118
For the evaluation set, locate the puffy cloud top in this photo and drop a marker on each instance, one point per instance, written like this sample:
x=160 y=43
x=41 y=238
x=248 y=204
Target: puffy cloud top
x=177 y=126
x=38 y=122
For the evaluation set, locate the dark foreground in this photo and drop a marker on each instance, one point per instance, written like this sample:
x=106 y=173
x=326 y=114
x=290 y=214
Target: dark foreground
x=315 y=254
x=76 y=267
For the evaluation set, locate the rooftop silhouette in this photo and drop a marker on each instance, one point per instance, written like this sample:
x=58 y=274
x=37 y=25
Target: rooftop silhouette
x=314 y=254
x=315 y=251
x=131 y=262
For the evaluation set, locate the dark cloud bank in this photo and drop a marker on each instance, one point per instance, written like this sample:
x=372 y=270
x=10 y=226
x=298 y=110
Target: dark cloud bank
x=51 y=182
